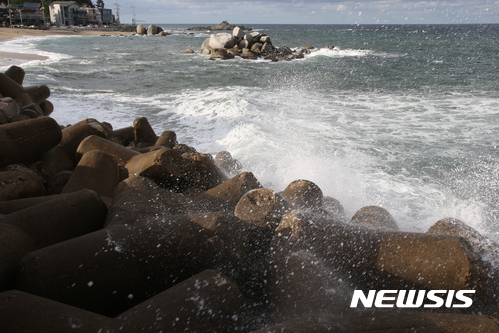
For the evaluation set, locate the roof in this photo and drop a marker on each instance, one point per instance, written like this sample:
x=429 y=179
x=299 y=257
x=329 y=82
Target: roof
x=63 y=3
x=32 y=6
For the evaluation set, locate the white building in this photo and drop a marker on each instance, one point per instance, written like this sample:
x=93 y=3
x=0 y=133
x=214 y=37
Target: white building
x=67 y=13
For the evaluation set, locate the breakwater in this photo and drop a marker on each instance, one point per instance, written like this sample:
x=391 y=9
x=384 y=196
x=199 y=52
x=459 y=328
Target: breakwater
x=127 y=230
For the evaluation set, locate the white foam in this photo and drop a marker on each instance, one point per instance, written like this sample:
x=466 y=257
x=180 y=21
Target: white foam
x=338 y=53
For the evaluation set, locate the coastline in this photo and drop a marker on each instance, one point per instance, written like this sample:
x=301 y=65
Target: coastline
x=15 y=58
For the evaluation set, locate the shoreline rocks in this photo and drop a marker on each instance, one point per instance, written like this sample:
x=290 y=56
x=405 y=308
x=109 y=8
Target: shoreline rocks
x=151 y=30
x=251 y=46
x=142 y=232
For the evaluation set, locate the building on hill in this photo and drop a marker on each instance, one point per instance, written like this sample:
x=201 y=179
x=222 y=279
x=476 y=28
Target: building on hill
x=71 y=13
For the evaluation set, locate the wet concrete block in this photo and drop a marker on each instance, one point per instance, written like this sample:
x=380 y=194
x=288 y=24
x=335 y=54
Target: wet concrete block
x=96 y=171
x=374 y=217
x=206 y=302
x=93 y=142
x=20 y=184
x=23 y=312
x=26 y=141
x=73 y=135
x=60 y=219
x=113 y=269
x=14 y=245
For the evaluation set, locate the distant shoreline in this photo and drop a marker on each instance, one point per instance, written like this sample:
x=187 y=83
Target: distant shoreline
x=15 y=58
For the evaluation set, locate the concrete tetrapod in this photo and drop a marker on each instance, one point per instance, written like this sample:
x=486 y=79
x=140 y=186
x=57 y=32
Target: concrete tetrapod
x=24 y=312
x=26 y=141
x=73 y=135
x=96 y=171
x=206 y=302
x=385 y=260
x=94 y=142
x=114 y=269
x=65 y=217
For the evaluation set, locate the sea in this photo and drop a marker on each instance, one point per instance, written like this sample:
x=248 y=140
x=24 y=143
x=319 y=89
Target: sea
x=405 y=117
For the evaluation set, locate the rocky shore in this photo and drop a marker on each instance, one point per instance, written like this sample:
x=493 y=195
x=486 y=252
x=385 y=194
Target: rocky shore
x=125 y=230
x=252 y=45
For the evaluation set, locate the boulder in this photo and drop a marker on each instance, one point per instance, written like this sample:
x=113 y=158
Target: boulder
x=244 y=44
x=141 y=30
x=307 y=47
x=205 y=47
x=222 y=41
x=220 y=54
x=249 y=38
x=267 y=48
x=257 y=47
x=248 y=54
x=152 y=30
x=189 y=51
x=265 y=39
x=238 y=32
x=256 y=35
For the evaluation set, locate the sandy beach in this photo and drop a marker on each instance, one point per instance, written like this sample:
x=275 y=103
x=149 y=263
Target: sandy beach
x=16 y=58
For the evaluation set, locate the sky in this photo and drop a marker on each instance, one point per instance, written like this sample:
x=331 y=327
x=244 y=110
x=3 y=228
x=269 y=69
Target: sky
x=199 y=12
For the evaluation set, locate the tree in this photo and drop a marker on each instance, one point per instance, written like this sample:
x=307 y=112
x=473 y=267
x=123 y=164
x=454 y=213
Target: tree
x=100 y=4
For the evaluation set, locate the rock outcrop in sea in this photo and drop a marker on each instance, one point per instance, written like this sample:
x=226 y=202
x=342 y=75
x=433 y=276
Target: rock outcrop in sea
x=221 y=26
x=251 y=45
x=151 y=30
x=125 y=230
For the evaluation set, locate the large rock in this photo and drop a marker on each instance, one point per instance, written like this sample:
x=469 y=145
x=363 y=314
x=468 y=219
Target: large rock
x=220 y=54
x=205 y=48
x=222 y=41
x=141 y=30
x=244 y=44
x=152 y=30
x=238 y=32
x=248 y=38
x=257 y=47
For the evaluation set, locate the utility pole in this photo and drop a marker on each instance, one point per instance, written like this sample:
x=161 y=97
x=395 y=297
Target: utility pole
x=118 y=21
x=10 y=14
x=134 y=21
